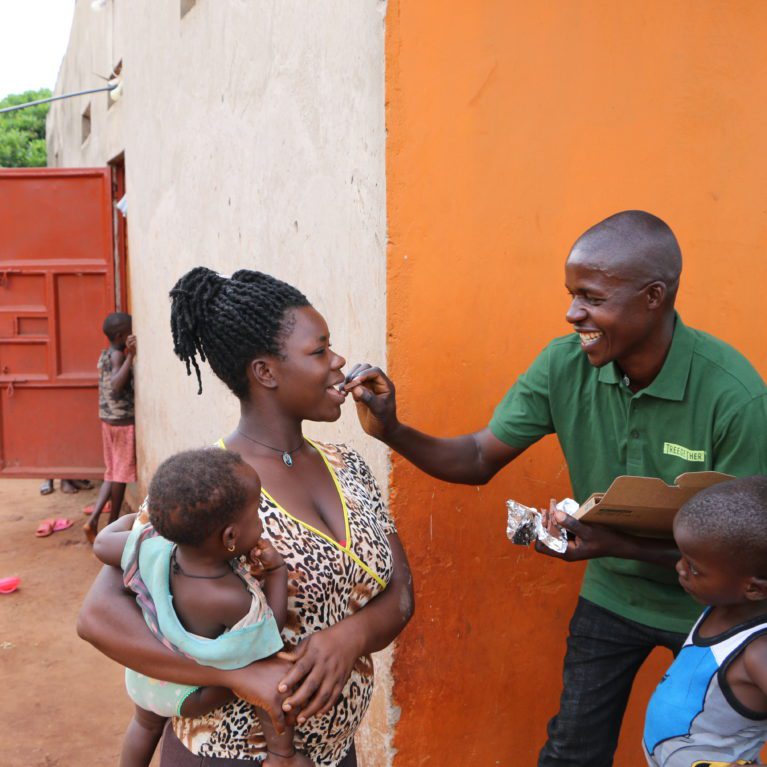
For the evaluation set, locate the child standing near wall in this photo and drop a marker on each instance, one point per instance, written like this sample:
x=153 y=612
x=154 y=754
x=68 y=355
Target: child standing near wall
x=197 y=595
x=116 y=411
x=710 y=709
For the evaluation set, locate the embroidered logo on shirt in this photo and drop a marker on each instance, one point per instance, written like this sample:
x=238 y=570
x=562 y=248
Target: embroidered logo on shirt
x=697 y=456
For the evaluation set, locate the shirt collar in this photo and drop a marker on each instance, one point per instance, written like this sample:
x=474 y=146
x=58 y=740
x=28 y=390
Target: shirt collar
x=671 y=382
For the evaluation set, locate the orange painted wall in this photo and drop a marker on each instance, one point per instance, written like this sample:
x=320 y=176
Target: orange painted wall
x=513 y=126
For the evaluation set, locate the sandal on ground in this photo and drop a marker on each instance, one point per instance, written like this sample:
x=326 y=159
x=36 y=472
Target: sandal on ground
x=50 y=526
x=9 y=585
x=106 y=508
x=45 y=528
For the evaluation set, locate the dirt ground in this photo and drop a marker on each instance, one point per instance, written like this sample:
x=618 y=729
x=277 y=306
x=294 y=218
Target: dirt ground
x=62 y=703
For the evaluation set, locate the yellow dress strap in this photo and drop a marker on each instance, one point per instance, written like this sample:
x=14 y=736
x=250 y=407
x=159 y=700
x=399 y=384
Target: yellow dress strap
x=347 y=548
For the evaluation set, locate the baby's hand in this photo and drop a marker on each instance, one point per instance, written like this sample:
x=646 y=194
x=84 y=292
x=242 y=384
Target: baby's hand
x=265 y=555
x=130 y=345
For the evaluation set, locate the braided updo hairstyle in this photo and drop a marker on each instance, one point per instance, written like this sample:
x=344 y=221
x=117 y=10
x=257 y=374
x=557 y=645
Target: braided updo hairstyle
x=229 y=321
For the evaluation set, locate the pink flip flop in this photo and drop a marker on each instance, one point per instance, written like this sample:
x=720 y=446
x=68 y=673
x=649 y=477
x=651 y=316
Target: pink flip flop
x=45 y=528
x=9 y=585
x=49 y=526
x=91 y=506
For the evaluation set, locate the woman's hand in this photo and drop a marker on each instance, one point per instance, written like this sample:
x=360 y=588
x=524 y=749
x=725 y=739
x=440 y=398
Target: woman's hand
x=375 y=399
x=321 y=665
x=258 y=684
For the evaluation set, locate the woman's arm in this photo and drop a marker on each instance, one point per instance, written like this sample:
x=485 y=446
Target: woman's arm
x=110 y=542
x=324 y=661
x=112 y=622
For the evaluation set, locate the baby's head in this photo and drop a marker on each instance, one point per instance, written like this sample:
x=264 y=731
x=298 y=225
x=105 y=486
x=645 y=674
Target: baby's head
x=207 y=498
x=721 y=535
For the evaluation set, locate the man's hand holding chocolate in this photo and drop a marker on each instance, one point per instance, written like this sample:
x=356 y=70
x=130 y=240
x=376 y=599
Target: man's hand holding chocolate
x=584 y=541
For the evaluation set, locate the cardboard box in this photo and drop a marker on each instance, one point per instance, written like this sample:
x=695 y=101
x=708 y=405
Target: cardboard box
x=645 y=505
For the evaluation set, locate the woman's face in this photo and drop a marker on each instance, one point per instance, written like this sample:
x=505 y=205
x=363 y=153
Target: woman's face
x=309 y=371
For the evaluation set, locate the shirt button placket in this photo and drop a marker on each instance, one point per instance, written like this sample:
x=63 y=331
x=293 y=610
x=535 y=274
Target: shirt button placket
x=634 y=463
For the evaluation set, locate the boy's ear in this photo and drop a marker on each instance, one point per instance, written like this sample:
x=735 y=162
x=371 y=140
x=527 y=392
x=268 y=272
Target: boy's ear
x=756 y=589
x=260 y=370
x=229 y=537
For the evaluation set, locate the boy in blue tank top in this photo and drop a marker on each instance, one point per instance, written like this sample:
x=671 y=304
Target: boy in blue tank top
x=710 y=709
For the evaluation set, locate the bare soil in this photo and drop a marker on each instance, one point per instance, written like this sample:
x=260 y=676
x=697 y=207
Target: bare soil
x=61 y=702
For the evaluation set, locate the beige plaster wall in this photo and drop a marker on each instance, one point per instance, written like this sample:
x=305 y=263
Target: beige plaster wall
x=254 y=137
x=95 y=47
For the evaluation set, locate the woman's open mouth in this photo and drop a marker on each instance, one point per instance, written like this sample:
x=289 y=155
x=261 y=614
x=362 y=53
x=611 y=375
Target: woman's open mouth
x=337 y=396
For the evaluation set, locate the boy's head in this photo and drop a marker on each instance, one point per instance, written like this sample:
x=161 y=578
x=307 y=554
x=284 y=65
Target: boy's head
x=117 y=327
x=721 y=537
x=207 y=496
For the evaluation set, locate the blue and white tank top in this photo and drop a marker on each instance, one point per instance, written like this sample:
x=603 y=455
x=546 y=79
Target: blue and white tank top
x=693 y=714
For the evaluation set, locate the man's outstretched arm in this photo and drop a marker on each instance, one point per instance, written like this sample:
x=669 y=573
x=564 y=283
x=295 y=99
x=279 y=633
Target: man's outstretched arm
x=471 y=459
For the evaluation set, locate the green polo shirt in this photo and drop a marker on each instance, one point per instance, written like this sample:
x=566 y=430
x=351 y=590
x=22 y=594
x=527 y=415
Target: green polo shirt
x=705 y=410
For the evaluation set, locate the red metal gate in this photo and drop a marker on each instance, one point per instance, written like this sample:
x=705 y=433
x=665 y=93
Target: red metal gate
x=56 y=287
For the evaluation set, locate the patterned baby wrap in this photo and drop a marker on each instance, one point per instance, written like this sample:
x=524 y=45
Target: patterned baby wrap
x=146 y=571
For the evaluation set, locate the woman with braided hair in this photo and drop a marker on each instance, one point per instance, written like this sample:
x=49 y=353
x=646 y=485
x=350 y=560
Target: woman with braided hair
x=349 y=584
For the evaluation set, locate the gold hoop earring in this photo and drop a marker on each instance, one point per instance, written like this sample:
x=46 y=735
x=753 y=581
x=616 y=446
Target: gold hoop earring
x=230 y=548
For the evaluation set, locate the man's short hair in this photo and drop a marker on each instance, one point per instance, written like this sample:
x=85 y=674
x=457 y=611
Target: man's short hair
x=641 y=242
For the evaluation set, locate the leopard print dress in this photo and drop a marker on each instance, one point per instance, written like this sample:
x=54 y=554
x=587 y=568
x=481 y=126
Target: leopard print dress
x=326 y=583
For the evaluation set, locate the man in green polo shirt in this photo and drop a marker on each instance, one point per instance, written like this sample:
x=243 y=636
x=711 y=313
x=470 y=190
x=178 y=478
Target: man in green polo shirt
x=631 y=391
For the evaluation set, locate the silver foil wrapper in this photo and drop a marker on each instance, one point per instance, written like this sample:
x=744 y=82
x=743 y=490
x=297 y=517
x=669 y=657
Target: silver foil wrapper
x=520 y=523
x=525 y=525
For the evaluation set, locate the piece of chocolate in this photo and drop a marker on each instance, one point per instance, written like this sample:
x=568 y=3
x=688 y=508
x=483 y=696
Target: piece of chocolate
x=520 y=523
x=524 y=535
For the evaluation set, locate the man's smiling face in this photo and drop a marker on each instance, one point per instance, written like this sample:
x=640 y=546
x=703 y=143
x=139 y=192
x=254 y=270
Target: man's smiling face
x=610 y=311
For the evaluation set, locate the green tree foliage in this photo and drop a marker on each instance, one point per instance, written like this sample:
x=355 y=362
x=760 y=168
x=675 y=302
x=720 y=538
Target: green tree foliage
x=22 y=133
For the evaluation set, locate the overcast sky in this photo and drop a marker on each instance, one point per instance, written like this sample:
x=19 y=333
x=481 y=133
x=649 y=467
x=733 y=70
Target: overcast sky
x=33 y=39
